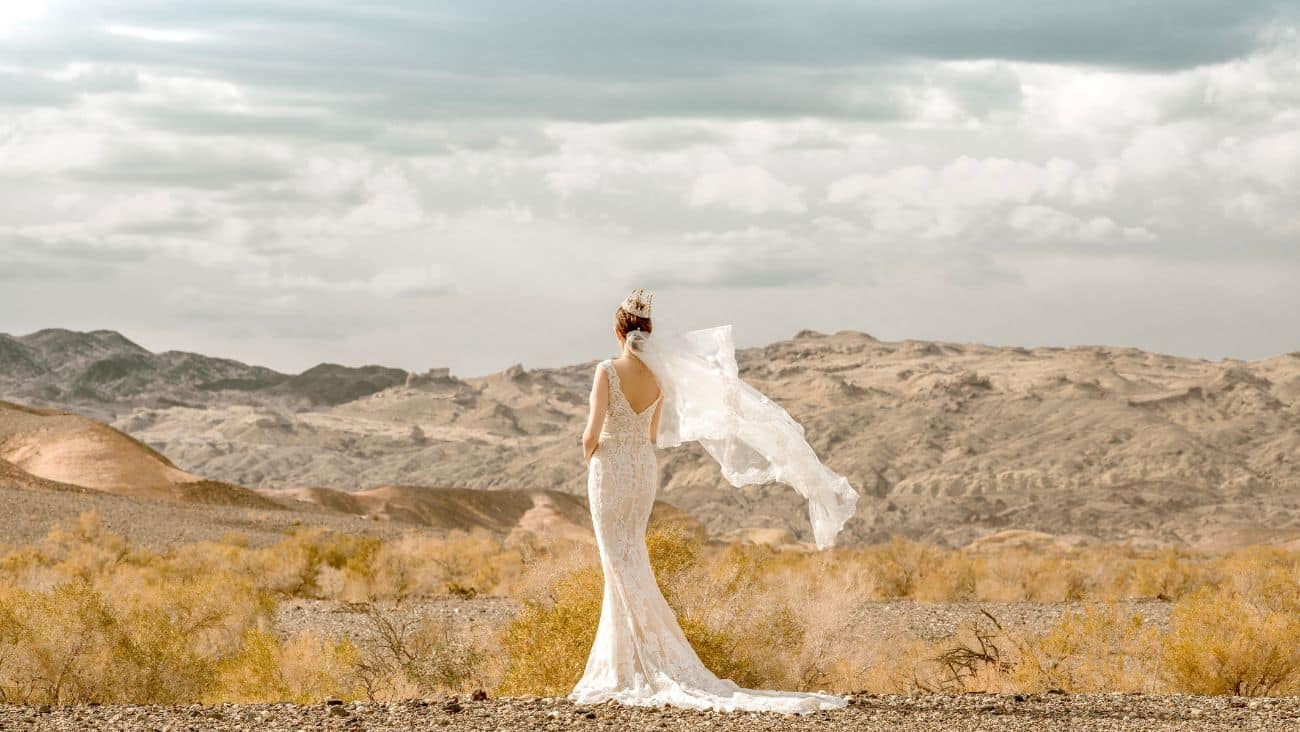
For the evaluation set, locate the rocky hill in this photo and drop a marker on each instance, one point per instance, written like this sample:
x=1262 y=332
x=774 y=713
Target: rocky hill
x=948 y=442
x=100 y=373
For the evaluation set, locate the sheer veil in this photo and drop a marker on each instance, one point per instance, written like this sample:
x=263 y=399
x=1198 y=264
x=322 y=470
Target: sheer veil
x=753 y=439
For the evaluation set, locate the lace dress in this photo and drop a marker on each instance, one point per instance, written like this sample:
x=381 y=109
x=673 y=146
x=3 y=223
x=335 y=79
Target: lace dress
x=640 y=655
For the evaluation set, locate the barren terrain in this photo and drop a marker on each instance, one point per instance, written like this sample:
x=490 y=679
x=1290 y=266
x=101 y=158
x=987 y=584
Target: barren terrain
x=949 y=443
x=867 y=713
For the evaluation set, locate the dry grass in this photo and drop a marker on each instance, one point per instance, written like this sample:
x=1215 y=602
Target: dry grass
x=87 y=617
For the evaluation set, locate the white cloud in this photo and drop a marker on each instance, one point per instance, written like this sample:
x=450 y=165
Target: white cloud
x=1272 y=159
x=1046 y=223
x=565 y=182
x=157 y=35
x=749 y=235
x=1160 y=151
x=747 y=188
x=17 y=17
x=948 y=201
x=392 y=282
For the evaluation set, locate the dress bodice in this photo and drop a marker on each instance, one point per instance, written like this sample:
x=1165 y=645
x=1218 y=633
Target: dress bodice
x=624 y=425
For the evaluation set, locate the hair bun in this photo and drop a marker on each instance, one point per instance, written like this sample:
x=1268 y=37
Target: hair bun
x=636 y=339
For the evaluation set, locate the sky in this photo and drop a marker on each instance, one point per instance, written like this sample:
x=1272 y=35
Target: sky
x=476 y=184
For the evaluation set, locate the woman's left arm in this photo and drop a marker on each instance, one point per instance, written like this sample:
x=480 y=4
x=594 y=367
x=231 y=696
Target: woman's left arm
x=596 y=417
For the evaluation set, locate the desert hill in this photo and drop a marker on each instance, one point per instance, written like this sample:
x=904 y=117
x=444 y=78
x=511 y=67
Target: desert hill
x=75 y=461
x=50 y=450
x=948 y=442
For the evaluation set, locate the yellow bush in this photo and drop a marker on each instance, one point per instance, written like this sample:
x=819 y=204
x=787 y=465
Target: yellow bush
x=1102 y=649
x=1223 y=643
x=951 y=577
x=404 y=655
x=548 y=642
x=899 y=566
x=304 y=670
x=1171 y=574
x=87 y=616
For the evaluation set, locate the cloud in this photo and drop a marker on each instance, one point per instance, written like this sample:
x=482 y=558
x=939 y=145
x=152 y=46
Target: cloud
x=157 y=35
x=1043 y=222
x=397 y=282
x=186 y=165
x=949 y=201
x=746 y=188
x=393 y=164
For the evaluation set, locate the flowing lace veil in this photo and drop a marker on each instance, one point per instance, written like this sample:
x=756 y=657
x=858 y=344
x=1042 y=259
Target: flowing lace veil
x=753 y=439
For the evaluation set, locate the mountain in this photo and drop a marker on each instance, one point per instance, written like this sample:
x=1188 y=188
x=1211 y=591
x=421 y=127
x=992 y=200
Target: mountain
x=101 y=372
x=948 y=442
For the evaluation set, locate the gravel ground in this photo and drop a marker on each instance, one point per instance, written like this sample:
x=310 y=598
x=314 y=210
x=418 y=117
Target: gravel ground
x=934 y=621
x=29 y=516
x=348 y=620
x=966 y=713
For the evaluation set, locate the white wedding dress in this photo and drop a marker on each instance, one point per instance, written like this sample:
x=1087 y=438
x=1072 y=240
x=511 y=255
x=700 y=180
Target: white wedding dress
x=640 y=655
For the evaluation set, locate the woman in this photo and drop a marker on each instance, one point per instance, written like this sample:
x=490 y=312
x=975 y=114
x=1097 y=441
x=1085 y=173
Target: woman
x=667 y=391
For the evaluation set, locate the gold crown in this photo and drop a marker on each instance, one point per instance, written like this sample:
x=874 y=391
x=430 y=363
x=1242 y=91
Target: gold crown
x=638 y=303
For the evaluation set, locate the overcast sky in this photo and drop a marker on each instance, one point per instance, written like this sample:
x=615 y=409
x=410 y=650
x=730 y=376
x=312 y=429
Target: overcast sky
x=479 y=183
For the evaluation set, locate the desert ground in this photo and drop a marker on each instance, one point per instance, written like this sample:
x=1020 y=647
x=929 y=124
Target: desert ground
x=867 y=713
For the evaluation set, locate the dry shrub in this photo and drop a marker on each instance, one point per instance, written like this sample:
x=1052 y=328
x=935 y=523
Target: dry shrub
x=83 y=549
x=1170 y=574
x=739 y=627
x=828 y=598
x=460 y=565
x=296 y=566
x=896 y=665
x=76 y=644
x=1102 y=649
x=950 y=577
x=304 y=669
x=1269 y=576
x=900 y=565
x=86 y=616
x=55 y=645
x=405 y=655
x=980 y=657
x=1014 y=576
x=1222 y=642
x=548 y=642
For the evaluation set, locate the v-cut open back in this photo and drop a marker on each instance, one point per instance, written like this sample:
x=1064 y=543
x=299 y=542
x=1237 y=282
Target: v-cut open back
x=618 y=387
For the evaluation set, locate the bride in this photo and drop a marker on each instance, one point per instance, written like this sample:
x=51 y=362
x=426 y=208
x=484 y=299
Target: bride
x=661 y=392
